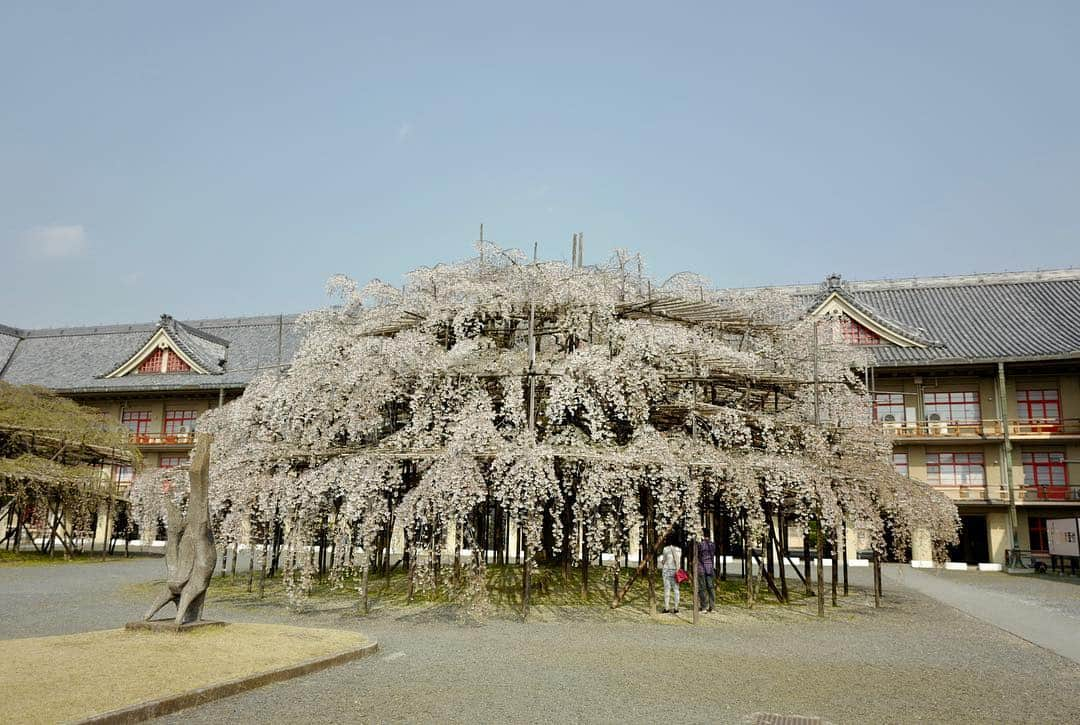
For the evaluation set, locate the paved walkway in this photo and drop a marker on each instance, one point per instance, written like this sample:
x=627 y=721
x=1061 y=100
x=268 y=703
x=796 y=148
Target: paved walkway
x=984 y=597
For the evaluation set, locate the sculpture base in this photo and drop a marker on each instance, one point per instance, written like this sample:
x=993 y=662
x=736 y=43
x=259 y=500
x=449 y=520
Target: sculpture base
x=170 y=625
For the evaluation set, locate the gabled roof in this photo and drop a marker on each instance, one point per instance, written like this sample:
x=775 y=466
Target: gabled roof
x=834 y=298
x=204 y=353
x=971 y=318
x=76 y=359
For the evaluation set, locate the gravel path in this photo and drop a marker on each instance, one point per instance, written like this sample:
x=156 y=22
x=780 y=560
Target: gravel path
x=1057 y=594
x=913 y=660
x=1041 y=611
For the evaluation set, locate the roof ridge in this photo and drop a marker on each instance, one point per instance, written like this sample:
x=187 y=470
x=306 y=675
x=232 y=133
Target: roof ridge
x=930 y=282
x=201 y=333
x=74 y=330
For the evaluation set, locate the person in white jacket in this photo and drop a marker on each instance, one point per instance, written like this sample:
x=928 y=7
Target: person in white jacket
x=669 y=564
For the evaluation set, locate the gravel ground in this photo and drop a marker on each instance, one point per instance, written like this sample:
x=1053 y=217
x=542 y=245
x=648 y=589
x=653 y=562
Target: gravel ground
x=913 y=660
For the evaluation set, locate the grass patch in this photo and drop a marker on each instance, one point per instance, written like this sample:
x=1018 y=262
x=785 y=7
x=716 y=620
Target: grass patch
x=59 y=679
x=551 y=588
x=34 y=558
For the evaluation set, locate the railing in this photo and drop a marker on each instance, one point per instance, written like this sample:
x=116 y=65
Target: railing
x=990 y=428
x=1045 y=426
x=975 y=492
x=945 y=428
x=1049 y=493
x=1041 y=561
x=997 y=492
x=163 y=439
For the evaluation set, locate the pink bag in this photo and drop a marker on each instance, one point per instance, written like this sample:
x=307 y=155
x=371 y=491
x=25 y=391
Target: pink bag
x=681 y=576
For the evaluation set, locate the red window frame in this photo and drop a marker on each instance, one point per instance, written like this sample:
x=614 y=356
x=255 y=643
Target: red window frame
x=176 y=364
x=171 y=461
x=900 y=463
x=953 y=407
x=152 y=363
x=855 y=333
x=1047 y=473
x=889 y=404
x=176 y=419
x=137 y=421
x=1038 y=539
x=956 y=469
x=1039 y=405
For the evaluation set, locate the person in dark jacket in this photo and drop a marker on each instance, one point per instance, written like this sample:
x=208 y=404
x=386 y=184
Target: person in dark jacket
x=706 y=569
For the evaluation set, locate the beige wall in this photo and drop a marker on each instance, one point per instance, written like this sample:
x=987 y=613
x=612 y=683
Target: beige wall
x=157 y=408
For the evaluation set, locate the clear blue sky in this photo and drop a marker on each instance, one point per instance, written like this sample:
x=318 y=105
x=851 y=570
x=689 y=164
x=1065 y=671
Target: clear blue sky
x=226 y=158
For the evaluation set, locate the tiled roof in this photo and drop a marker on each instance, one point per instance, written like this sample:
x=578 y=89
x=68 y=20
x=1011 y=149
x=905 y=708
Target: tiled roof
x=1011 y=315
x=74 y=359
x=973 y=318
x=208 y=351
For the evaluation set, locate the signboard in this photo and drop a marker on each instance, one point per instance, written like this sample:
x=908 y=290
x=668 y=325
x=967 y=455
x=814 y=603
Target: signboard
x=1064 y=536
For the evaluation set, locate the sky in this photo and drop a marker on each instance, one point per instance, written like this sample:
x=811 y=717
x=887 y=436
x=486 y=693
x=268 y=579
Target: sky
x=221 y=159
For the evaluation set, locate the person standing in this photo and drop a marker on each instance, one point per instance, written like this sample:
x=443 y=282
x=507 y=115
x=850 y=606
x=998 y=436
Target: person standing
x=706 y=569
x=669 y=564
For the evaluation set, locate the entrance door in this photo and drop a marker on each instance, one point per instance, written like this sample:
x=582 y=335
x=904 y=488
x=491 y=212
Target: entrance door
x=974 y=546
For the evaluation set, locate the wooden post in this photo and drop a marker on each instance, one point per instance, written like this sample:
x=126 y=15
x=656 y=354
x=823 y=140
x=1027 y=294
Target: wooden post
x=724 y=534
x=584 y=561
x=251 y=563
x=806 y=562
x=263 y=563
x=694 y=575
x=877 y=580
x=835 y=562
x=108 y=522
x=364 y=582
x=649 y=546
x=769 y=559
x=747 y=564
x=844 y=554
x=820 y=571
x=782 y=548
x=525 y=580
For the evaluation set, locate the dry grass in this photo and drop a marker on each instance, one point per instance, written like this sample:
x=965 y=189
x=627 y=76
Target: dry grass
x=35 y=558
x=54 y=679
x=555 y=595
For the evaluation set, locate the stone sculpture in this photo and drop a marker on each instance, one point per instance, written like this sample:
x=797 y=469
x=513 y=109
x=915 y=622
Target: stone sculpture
x=189 y=553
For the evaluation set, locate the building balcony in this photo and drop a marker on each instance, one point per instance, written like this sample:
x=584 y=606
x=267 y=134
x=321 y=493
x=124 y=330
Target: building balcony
x=949 y=430
x=970 y=494
x=998 y=494
x=1048 y=494
x=989 y=429
x=163 y=439
x=1044 y=428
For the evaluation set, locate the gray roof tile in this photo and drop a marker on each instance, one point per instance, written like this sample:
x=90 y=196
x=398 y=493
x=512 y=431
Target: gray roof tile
x=74 y=359
x=973 y=318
